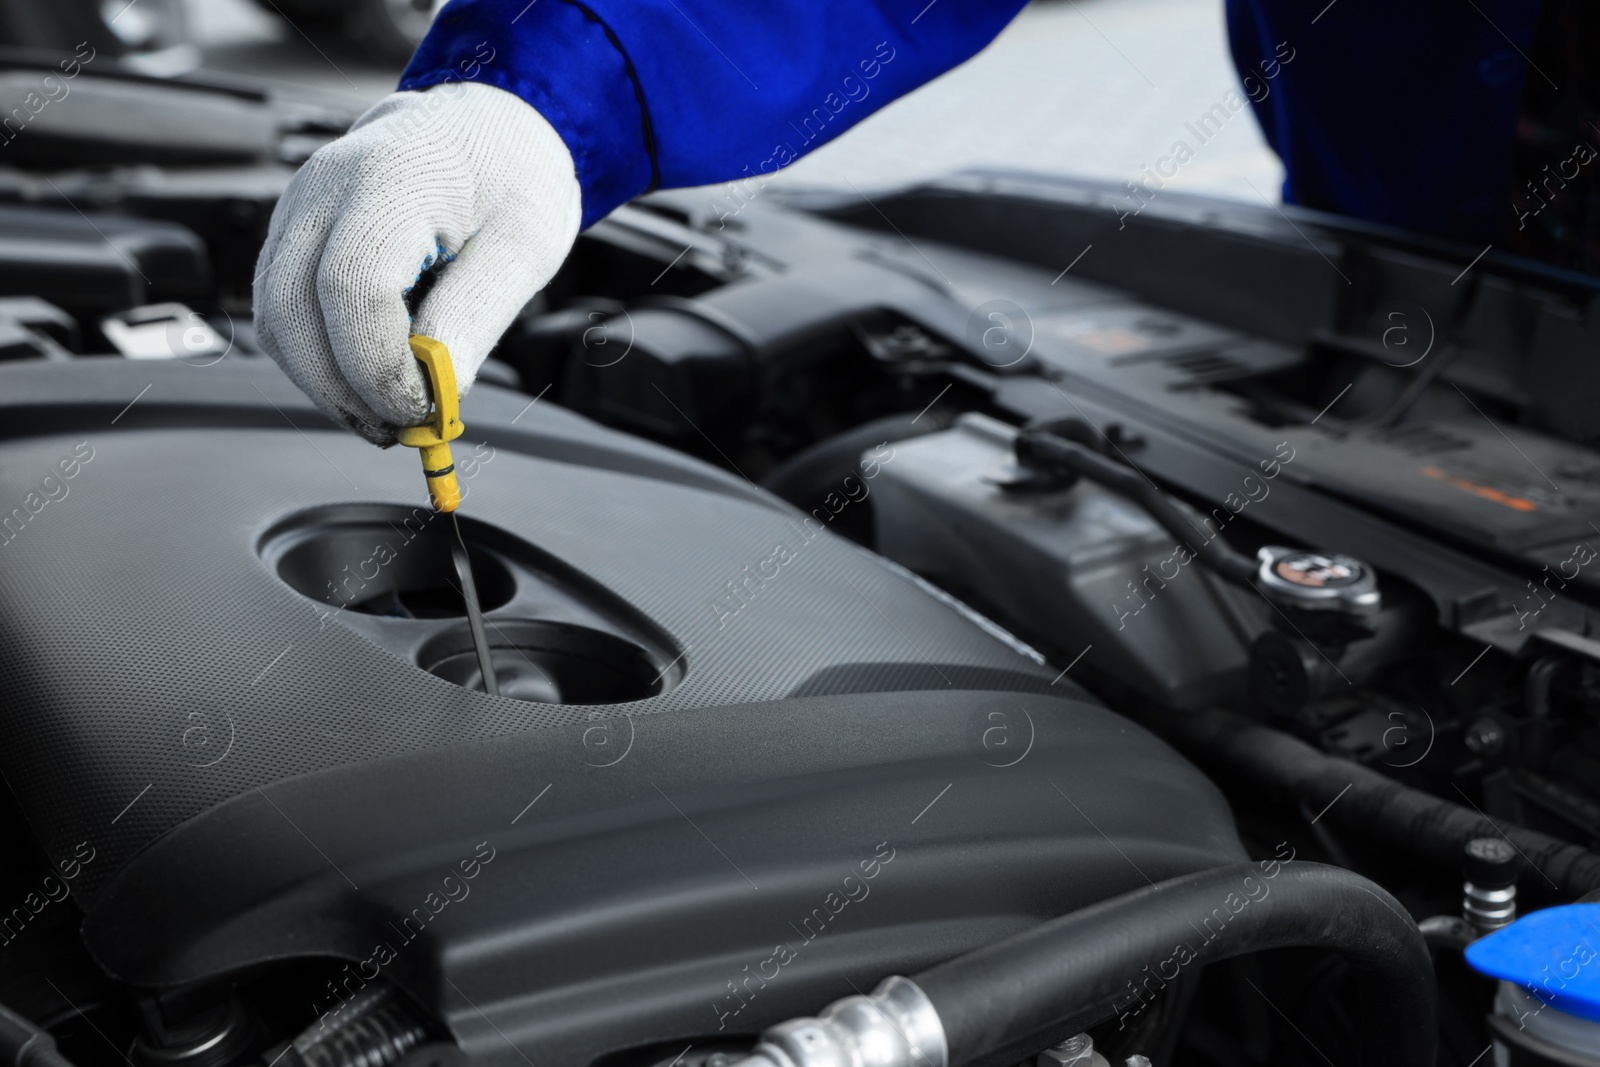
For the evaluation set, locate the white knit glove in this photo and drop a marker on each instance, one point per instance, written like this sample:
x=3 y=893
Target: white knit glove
x=463 y=174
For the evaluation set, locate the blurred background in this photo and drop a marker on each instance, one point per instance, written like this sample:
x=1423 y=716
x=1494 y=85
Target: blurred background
x=1096 y=88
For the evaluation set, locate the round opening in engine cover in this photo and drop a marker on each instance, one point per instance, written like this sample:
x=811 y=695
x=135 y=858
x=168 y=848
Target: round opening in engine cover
x=555 y=634
x=390 y=562
x=547 y=663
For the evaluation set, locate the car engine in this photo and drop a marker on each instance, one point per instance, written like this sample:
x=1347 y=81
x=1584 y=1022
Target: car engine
x=969 y=624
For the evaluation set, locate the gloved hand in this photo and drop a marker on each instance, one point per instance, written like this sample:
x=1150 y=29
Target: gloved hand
x=461 y=174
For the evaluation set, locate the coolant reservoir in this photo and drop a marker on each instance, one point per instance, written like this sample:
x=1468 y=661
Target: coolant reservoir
x=1548 y=1008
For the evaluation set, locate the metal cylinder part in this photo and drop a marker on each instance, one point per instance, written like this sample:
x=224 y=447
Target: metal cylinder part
x=1488 y=909
x=1489 y=892
x=895 y=1026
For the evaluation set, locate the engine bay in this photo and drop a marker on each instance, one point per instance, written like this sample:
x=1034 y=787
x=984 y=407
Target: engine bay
x=873 y=583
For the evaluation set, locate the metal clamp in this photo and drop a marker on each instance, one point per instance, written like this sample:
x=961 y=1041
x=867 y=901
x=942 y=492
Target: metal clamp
x=896 y=1026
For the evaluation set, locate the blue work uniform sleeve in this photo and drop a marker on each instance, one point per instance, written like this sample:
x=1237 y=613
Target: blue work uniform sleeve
x=1398 y=113
x=668 y=93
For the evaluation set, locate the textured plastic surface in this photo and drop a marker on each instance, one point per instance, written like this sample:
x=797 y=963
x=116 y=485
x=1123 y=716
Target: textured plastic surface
x=669 y=877
x=261 y=777
x=142 y=636
x=1082 y=564
x=1553 y=954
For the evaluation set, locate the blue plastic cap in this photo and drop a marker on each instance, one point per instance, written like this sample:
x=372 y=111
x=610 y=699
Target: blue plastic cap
x=1553 y=954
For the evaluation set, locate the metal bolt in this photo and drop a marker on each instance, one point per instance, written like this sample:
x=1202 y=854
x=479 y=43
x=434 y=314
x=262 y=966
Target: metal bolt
x=1490 y=866
x=1075 y=1051
x=1136 y=1061
x=1484 y=737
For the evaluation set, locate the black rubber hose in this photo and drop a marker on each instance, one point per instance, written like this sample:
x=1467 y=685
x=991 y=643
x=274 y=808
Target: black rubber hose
x=1086 y=965
x=808 y=475
x=22 y=1044
x=1364 y=801
x=834 y=465
x=1131 y=483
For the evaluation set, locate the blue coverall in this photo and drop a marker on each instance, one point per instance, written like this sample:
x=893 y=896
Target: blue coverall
x=1400 y=113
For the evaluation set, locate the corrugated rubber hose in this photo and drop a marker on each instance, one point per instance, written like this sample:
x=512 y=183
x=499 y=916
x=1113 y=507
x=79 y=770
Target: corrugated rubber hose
x=22 y=1044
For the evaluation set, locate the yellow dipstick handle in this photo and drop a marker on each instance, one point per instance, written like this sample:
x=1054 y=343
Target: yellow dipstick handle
x=443 y=426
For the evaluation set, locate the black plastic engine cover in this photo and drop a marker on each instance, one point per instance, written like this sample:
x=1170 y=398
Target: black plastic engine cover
x=835 y=761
